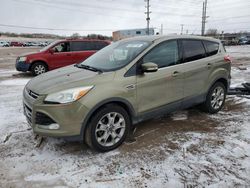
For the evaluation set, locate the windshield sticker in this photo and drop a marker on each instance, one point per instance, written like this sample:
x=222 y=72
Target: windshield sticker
x=134 y=45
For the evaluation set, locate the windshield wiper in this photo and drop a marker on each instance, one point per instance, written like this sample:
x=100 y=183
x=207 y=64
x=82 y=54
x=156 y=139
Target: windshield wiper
x=88 y=68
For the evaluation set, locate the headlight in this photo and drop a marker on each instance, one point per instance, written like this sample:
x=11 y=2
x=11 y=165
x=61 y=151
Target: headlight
x=22 y=58
x=68 y=96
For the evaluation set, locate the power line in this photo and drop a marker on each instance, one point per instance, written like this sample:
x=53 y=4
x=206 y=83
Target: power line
x=53 y=29
x=69 y=9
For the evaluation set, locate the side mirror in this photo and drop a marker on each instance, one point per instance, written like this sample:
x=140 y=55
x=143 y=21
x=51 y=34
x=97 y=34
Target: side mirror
x=149 y=67
x=51 y=50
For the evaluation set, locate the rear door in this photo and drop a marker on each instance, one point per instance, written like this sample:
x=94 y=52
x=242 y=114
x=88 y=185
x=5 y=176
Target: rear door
x=82 y=50
x=213 y=58
x=165 y=86
x=195 y=67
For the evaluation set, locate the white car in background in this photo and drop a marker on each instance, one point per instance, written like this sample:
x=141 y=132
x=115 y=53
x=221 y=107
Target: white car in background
x=4 y=44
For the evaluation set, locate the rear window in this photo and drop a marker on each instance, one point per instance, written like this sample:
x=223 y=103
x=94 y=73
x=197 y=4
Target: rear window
x=87 y=45
x=193 y=50
x=211 y=47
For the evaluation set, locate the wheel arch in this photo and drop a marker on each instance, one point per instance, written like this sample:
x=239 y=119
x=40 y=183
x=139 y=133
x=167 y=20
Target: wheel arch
x=38 y=61
x=117 y=101
x=223 y=80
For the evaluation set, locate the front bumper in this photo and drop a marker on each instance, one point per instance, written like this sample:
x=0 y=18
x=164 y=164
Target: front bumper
x=22 y=66
x=67 y=117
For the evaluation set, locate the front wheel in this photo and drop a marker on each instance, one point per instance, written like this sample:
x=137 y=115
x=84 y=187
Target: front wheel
x=215 y=98
x=38 y=68
x=108 y=128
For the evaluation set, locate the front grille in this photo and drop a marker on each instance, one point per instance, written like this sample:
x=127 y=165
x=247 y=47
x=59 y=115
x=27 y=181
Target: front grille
x=43 y=119
x=28 y=113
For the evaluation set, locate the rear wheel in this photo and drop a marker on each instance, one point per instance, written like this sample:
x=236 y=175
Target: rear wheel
x=215 y=98
x=38 y=68
x=108 y=128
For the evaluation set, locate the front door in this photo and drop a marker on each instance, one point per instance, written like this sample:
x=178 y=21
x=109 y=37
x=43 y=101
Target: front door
x=165 y=86
x=61 y=56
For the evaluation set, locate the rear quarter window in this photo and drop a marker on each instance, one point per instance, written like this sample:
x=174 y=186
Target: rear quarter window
x=212 y=48
x=193 y=50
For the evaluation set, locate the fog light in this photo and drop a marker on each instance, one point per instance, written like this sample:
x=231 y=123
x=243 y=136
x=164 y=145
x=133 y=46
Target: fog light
x=53 y=126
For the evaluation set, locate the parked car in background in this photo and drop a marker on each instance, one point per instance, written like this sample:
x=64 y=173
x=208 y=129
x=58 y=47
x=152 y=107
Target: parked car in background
x=129 y=81
x=43 y=44
x=59 y=54
x=243 y=41
x=28 y=44
x=4 y=44
x=16 y=44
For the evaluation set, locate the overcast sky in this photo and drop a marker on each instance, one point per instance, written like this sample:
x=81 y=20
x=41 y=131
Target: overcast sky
x=65 y=17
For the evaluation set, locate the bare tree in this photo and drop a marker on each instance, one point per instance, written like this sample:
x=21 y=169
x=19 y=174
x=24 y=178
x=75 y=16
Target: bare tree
x=212 y=32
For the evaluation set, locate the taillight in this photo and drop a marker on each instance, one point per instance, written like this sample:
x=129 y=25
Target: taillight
x=228 y=59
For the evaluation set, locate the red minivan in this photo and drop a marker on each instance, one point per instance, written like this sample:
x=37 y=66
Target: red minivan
x=59 y=54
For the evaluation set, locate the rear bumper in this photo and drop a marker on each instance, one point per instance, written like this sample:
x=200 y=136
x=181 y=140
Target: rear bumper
x=22 y=66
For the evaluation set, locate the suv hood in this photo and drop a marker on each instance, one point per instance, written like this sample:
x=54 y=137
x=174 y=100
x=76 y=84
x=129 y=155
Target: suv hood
x=66 y=78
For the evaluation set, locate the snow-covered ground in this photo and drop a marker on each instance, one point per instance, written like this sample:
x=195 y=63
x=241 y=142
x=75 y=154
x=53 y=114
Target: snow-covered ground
x=184 y=149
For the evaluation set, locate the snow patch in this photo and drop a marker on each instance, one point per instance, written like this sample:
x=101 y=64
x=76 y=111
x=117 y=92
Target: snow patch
x=14 y=82
x=41 y=177
x=180 y=115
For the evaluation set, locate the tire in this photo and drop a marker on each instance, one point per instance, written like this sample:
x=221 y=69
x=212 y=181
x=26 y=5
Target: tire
x=102 y=133
x=215 y=98
x=38 y=68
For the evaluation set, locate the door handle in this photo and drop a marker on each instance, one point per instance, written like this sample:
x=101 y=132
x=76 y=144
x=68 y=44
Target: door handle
x=68 y=54
x=175 y=74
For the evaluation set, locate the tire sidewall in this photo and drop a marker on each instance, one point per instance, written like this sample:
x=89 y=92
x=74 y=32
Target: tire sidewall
x=94 y=121
x=34 y=66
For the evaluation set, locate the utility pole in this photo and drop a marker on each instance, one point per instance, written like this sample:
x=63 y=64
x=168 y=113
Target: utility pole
x=147 y=13
x=182 y=25
x=204 y=18
x=161 y=29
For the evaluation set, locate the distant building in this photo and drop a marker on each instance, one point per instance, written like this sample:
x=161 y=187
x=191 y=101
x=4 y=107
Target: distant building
x=121 y=34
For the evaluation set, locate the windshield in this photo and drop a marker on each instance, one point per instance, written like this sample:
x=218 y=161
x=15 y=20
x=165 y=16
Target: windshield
x=49 y=46
x=116 y=55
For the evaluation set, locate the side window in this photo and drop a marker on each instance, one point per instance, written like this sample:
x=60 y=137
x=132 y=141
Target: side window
x=193 y=50
x=211 y=47
x=76 y=46
x=99 y=45
x=82 y=46
x=61 y=47
x=165 y=54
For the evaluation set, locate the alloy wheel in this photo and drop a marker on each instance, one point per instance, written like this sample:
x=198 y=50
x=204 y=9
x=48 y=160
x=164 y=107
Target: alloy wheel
x=110 y=129
x=39 y=69
x=217 y=97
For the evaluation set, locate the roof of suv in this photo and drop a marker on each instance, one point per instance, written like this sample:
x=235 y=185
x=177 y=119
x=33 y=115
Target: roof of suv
x=153 y=38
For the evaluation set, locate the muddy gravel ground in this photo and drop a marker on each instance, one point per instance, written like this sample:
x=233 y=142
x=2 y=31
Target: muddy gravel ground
x=184 y=149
